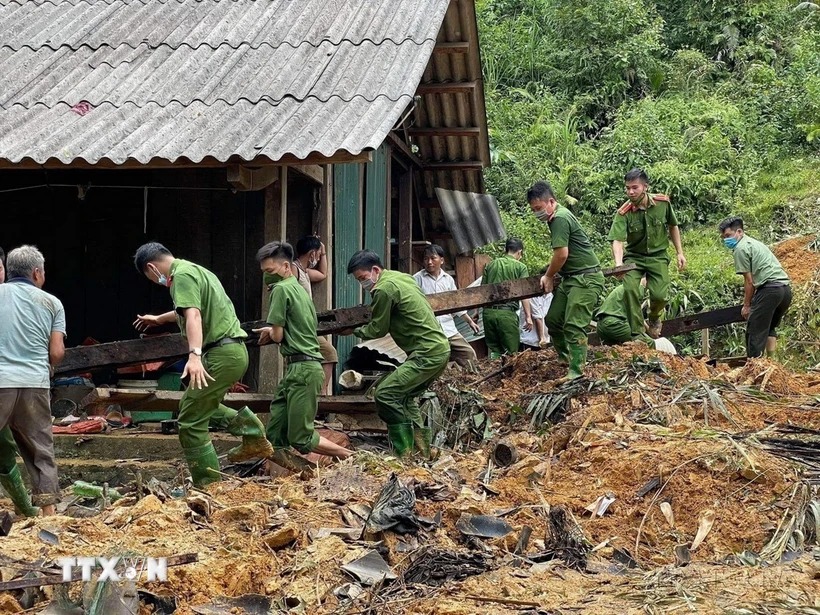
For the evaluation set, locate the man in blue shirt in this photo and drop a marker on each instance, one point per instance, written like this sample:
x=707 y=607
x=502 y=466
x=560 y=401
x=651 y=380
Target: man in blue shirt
x=32 y=342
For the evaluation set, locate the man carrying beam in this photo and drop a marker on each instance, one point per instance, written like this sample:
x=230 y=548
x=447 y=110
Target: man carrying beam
x=582 y=282
x=401 y=309
x=767 y=288
x=501 y=330
x=640 y=234
x=292 y=324
x=217 y=358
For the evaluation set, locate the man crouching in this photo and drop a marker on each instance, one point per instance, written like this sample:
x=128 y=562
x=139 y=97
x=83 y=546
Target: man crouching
x=293 y=325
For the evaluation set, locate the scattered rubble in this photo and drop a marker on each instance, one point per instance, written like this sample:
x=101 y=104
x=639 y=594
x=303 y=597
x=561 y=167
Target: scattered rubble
x=706 y=475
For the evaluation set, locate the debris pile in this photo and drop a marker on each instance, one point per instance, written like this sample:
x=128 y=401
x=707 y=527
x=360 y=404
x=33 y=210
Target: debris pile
x=652 y=484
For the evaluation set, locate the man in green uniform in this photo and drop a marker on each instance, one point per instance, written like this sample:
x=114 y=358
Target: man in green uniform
x=217 y=358
x=612 y=319
x=582 y=282
x=501 y=331
x=293 y=324
x=640 y=234
x=400 y=308
x=767 y=288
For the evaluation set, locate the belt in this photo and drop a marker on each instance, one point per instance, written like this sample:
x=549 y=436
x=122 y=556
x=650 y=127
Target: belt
x=581 y=272
x=222 y=342
x=300 y=358
x=773 y=285
x=502 y=307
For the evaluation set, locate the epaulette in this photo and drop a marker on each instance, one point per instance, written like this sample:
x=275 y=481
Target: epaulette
x=660 y=197
x=626 y=208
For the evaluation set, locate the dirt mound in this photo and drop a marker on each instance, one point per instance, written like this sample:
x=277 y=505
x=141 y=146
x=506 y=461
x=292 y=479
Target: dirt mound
x=800 y=262
x=648 y=453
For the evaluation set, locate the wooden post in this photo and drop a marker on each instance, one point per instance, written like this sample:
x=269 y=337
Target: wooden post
x=405 y=231
x=704 y=342
x=323 y=291
x=276 y=216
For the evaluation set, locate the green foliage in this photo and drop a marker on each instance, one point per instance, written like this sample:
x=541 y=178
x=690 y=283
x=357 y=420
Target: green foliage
x=718 y=101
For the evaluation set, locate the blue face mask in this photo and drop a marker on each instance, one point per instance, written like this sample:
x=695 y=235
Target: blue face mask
x=162 y=280
x=730 y=242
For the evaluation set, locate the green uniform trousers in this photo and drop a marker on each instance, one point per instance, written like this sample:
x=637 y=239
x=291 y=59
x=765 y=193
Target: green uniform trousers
x=396 y=393
x=656 y=269
x=8 y=451
x=614 y=330
x=226 y=365
x=294 y=407
x=501 y=331
x=573 y=303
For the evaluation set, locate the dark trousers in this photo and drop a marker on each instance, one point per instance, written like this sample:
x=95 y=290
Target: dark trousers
x=28 y=413
x=769 y=304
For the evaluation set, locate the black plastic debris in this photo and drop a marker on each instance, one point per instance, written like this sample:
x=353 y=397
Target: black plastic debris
x=369 y=569
x=50 y=538
x=161 y=605
x=393 y=509
x=624 y=558
x=683 y=556
x=437 y=567
x=249 y=604
x=483 y=526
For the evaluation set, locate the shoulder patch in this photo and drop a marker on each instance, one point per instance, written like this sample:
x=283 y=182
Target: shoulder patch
x=625 y=208
x=660 y=197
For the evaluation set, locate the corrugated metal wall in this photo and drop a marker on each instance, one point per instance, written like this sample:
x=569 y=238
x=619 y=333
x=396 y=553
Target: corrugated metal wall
x=347 y=210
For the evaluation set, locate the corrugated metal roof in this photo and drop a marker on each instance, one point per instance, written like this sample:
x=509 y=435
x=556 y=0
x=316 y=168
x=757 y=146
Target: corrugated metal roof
x=196 y=79
x=473 y=219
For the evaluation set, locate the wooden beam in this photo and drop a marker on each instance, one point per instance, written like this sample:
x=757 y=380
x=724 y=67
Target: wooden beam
x=429 y=204
x=453 y=47
x=703 y=320
x=133 y=399
x=403 y=151
x=453 y=165
x=244 y=179
x=184 y=163
x=445 y=131
x=405 y=230
x=463 y=87
x=315 y=172
x=163 y=347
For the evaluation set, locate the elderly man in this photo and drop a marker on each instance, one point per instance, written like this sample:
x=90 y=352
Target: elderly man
x=767 y=288
x=32 y=341
x=217 y=358
x=433 y=279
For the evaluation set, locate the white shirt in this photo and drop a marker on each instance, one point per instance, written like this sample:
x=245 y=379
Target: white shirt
x=443 y=283
x=539 y=307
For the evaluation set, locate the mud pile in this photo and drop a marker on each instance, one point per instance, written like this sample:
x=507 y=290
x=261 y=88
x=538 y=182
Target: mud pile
x=672 y=472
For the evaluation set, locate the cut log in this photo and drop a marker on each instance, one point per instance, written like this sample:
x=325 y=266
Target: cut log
x=81 y=359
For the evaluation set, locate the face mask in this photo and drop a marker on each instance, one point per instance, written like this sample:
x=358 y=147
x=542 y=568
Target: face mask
x=313 y=262
x=272 y=278
x=367 y=284
x=162 y=279
x=542 y=215
x=730 y=242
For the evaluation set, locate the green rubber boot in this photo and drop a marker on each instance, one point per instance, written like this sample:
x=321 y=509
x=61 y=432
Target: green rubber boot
x=13 y=485
x=401 y=437
x=423 y=440
x=577 y=361
x=559 y=342
x=201 y=460
x=255 y=444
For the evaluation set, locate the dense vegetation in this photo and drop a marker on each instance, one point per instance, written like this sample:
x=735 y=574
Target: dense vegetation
x=718 y=101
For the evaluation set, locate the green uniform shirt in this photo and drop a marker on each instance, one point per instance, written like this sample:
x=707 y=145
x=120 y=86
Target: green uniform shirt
x=401 y=309
x=292 y=309
x=644 y=231
x=755 y=257
x=566 y=232
x=503 y=269
x=193 y=286
x=614 y=304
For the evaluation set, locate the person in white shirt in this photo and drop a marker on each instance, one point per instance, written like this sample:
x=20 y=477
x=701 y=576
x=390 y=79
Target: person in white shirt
x=433 y=279
x=537 y=337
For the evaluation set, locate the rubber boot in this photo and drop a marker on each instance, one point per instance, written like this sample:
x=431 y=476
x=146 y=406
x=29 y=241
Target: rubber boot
x=422 y=440
x=13 y=485
x=560 y=345
x=201 y=460
x=577 y=360
x=401 y=437
x=255 y=444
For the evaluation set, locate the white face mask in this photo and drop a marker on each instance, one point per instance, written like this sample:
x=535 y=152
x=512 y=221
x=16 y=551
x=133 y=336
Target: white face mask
x=367 y=284
x=313 y=262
